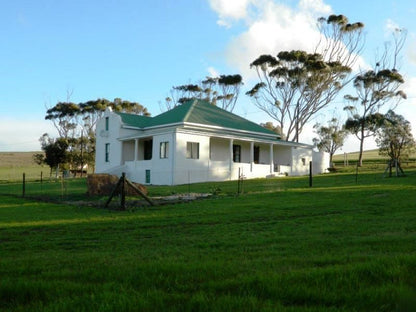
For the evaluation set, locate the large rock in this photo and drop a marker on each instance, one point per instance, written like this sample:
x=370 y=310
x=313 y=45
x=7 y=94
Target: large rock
x=104 y=184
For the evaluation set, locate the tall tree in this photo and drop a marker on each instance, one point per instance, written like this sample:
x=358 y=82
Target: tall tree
x=229 y=89
x=76 y=123
x=64 y=116
x=330 y=138
x=56 y=152
x=222 y=91
x=394 y=137
x=375 y=88
x=295 y=85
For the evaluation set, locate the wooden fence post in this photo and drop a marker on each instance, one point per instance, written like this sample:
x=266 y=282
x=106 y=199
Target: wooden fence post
x=24 y=185
x=123 y=192
x=310 y=174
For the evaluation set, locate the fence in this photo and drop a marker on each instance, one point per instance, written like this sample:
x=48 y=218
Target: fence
x=38 y=185
x=75 y=189
x=67 y=188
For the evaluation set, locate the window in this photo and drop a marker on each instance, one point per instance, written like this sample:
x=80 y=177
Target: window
x=107 y=152
x=304 y=161
x=192 y=150
x=107 y=123
x=256 y=156
x=164 y=149
x=237 y=153
x=148 y=147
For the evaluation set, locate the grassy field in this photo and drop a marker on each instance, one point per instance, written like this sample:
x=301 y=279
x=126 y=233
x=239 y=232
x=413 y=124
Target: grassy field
x=369 y=156
x=14 y=164
x=343 y=245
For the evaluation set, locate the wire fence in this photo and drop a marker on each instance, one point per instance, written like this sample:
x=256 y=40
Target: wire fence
x=67 y=188
x=61 y=188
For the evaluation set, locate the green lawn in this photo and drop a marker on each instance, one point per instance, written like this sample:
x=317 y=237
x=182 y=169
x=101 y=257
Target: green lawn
x=281 y=246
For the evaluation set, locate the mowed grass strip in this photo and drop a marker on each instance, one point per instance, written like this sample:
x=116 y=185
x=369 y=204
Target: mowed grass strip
x=339 y=246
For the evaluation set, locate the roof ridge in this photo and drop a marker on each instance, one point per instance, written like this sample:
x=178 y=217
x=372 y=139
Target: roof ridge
x=189 y=112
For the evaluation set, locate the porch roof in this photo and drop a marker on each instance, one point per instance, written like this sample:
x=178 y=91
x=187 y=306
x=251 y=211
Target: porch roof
x=197 y=112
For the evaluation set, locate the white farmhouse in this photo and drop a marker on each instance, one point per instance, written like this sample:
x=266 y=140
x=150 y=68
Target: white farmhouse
x=196 y=142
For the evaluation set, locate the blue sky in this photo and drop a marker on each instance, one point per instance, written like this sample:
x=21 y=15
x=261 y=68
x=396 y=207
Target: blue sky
x=138 y=50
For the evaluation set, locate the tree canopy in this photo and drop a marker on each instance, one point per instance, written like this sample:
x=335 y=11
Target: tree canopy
x=76 y=124
x=394 y=137
x=330 y=138
x=222 y=91
x=295 y=85
x=375 y=88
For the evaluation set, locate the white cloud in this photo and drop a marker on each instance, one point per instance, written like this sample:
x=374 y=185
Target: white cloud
x=274 y=27
x=23 y=135
x=230 y=10
x=408 y=107
x=315 y=6
x=213 y=72
x=411 y=50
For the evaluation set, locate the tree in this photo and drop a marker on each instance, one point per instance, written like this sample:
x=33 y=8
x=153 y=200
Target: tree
x=55 y=151
x=76 y=123
x=269 y=125
x=229 y=86
x=295 y=85
x=375 y=88
x=64 y=116
x=331 y=138
x=394 y=137
x=222 y=91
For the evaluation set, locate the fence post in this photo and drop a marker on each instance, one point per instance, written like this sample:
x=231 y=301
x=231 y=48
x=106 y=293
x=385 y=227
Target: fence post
x=356 y=174
x=24 y=185
x=123 y=192
x=310 y=174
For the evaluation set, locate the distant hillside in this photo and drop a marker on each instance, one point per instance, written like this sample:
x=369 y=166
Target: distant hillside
x=17 y=159
x=367 y=155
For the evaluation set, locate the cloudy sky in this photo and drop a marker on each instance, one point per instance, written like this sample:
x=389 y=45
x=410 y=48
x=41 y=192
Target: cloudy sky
x=138 y=50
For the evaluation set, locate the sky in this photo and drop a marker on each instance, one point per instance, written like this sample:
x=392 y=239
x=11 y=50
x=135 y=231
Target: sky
x=138 y=50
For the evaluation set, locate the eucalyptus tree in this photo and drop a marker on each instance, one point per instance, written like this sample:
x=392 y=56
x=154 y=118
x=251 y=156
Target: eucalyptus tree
x=76 y=124
x=222 y=91
x=394 y=137
x=55 y=152
x=375 y=88
x=295 y=85
x=330 y=138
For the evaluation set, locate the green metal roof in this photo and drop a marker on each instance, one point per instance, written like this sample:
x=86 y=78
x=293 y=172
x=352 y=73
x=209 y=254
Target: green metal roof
x=198 y=112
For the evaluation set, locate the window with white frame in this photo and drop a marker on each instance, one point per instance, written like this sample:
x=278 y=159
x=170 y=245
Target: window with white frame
x=164 y=149
x=107 y=152
x=107 y=123
x=192 y=150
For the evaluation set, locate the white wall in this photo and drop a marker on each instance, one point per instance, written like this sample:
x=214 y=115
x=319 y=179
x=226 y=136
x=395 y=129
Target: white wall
x=160 y=168
x=187 y=170
x=320 y=162
x=128 y=150
x=300 y=167
x=104 y=137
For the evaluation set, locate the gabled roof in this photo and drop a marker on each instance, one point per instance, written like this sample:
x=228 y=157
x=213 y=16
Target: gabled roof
x=196 y=112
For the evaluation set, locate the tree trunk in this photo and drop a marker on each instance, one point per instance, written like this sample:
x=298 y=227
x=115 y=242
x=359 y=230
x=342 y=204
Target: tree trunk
x=360 y=157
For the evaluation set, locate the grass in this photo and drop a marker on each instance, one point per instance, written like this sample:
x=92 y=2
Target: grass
x=281 y=246
x=14 y=164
